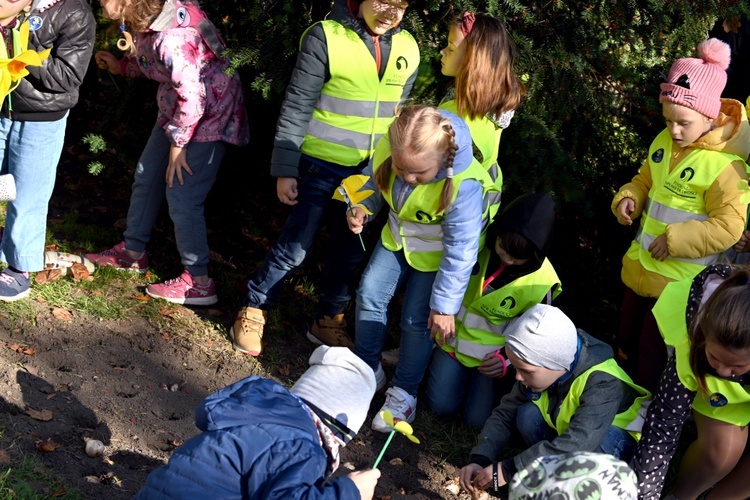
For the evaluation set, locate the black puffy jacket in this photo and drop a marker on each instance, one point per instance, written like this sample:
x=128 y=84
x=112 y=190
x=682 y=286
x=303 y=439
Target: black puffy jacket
x=49 y=91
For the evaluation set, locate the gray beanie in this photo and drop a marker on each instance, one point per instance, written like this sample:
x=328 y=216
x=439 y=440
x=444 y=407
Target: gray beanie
x=339 y=383
x=543 y=336
x=575 y=475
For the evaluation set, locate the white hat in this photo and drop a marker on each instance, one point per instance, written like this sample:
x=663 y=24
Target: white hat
x=543 y=336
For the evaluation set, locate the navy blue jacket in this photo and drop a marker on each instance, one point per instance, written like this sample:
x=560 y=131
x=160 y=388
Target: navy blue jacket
x=257 y=442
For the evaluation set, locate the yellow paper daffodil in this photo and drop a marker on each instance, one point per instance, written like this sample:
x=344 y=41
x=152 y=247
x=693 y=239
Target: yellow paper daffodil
x=401 y=426
x=13 y=70
x=349 y=191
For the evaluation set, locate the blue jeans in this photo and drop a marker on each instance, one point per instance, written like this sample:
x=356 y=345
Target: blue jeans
x=185 y=201
x=385 y=273
x=532 y=427
x=30 y=151
x=315 y=188
x=451 y=385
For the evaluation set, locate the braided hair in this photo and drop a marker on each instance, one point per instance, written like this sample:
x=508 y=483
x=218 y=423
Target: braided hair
x=419 y=130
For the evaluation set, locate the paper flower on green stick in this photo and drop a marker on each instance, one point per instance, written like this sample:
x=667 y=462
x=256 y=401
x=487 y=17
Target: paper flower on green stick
x=349 y=191
x=401 y=426
x=13 y=70
x=744 y=189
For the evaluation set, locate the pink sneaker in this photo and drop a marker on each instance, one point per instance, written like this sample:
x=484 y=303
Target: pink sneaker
x=118 y=258
x=182 y=290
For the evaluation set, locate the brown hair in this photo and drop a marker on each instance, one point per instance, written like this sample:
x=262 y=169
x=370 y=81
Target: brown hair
x=419 y=130
x=725 y=319
x=139 y=14
x=486 y=82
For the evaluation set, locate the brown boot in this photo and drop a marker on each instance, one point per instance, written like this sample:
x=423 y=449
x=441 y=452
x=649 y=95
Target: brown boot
x=330 y=331
x=247 y=332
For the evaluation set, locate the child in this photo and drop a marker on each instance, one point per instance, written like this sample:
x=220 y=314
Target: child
x=513 y=275
x=32 y=125
x=201 y=110
x=425 y=171
x=570 y=396
x=481 y=56
x=350 y=75
x=261 y=440
x=706 y=321
x=687 y=192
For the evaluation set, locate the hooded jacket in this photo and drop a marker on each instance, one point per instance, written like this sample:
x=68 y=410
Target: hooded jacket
x=49 y=91
x=462 y=223
x=198 y=101
x=726 y=213
x=310 y=74
x=258 y=441
x=603 y=397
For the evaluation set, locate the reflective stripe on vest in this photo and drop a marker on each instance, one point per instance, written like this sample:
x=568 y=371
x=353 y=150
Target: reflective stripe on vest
x=481 y=321
x=572 y=400
x=676 y=197
x=725 y=401
x=416 y=226
x=356 y=106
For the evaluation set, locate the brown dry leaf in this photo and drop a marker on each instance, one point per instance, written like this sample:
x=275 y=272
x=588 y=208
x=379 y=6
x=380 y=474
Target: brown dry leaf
x=58 y=492
x=169 y=312
x=98 y=292
x=48 y=275
x=165 y=335
x=142 y=298
x=214 y=312
x=44 y=415
x=52 y=247
x=285 y=370
x=29 y=351
x=62 y=314
x=79 y=272
x=396 y=461
x=31 y=370
x=47 y=445
x=51 y=396
x=4 y=457
x=731 y=24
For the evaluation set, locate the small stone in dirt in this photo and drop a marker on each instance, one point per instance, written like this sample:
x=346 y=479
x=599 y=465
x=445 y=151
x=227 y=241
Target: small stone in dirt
x=94 y=447
x=396 y=461
x=174 y=387
x=349 y=465
x=93 y=479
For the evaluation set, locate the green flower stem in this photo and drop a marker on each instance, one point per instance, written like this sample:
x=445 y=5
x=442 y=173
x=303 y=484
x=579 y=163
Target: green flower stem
x=385 y=447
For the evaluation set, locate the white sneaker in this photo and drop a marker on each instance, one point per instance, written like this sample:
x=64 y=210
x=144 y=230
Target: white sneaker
x=380 y=379
x=402 y=405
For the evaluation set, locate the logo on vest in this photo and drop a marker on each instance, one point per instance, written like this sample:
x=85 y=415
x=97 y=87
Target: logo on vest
x=658 y=155
x=681 y=187
x=717 y=400
x=426 y=218
x=402 y=64
x=35 y=22
x=687 y=174
x=143 y=62
x=508 y=303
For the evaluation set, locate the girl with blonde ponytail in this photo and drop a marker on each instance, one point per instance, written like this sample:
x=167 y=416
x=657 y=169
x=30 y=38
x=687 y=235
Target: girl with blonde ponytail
x=424 y=170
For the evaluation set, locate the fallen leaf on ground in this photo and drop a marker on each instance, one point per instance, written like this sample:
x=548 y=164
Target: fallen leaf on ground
x=48 y=275
x=165 y=335
x=4 y=457
x=29 y=351
x=59 y=492
x=79 y=272
x=285 y=370
x=46 y=445
x=62 y=314
x=51 y=396
x=44 y=415
x=396 y=461
x=142 y=298
x=169 y=312
x=53 y=246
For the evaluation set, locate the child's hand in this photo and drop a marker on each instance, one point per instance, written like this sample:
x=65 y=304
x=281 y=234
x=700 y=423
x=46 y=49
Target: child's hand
x=624 y=209
x=177 y=163
x=744 y=244
x=356 y=219
x=365 y=481
x=492 y=366
x=105 y=60
x=658 y=248
x=466 y=477
x=442 y=326
x=286 y=190
x=483 y=478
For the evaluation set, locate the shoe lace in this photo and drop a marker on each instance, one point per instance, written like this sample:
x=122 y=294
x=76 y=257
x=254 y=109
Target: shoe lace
x=7 y=279
x=396 y=401
x=175 y=281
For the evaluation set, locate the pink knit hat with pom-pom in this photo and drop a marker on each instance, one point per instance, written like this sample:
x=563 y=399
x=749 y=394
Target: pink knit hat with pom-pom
x=698 y=83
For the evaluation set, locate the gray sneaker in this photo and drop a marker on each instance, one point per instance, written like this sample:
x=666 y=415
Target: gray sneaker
x=14 y=285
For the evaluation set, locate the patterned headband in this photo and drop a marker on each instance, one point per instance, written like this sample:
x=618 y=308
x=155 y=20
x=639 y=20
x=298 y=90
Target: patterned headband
x=467 y=23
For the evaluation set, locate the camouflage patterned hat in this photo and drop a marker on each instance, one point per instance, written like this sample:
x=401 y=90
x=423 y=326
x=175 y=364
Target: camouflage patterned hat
x=575 y=476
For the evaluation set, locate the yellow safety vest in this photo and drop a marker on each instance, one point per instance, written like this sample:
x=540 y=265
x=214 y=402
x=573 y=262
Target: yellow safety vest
x=485 y=134
x=676 y=196
x=572 y=400
x=481 y=321
x=356 y=106
x=726 y=401
x=417 y=226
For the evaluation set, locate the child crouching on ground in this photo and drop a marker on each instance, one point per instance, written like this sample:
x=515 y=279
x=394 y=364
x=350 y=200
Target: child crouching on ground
x=261 y=440
x=570 y=396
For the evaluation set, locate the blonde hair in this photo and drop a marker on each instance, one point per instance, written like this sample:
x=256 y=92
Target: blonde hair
x=486 y=83
x=138 y=15
x=421 y=130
